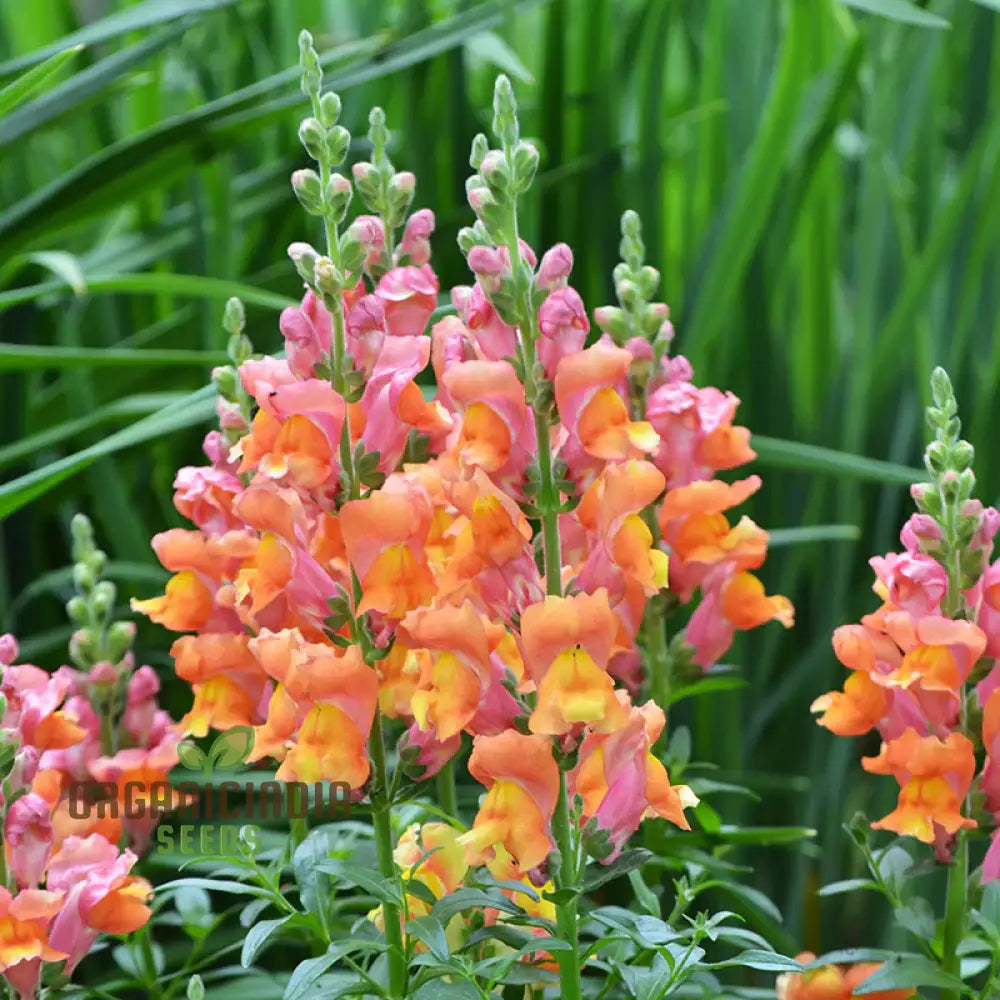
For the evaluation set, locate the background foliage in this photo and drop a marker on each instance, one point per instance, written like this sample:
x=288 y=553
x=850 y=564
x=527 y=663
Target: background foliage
x=817 y=183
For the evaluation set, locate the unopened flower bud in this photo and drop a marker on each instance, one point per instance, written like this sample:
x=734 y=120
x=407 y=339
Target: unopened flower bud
x=308 y=189
x=25 y=767
x=404 y=182
x=338 y=142
x=338 y=197
x=480 y=147
x=8 y=649
x=195 y=988
x=102 y=598
x=649 y=281
x=83 y=647
x=525 y=164
x=83 y=533
x=234 y=317
x=312 y=73
x=328 y=278
x=480 y=199
x=936 y=458
x=962 y=454
x=227 y=383
x=312 y=135
x=557 y=263
x=121 y=635
x=239 y=348
x=83 y=577
x=612 y=321
x=78 y=611
x=415 y=243
x=494 y=170
x=329 y=109
x=304 y=258
x=505 y=111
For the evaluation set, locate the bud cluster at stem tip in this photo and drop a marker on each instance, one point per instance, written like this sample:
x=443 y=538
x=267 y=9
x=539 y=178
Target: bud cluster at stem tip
x=947 y=498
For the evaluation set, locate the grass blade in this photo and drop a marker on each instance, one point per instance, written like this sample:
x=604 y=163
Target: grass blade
x=20 y=357
x=24 y=86
x=777 y=454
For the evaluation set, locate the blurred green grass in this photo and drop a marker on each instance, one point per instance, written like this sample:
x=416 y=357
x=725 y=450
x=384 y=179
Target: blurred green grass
x=817 y=184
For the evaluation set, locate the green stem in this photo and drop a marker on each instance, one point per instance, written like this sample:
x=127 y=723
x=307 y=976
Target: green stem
x=548 y=499
x=657 y=653
x=955 y=914
x=382 y=819
x=447 y=795
x=566 y=916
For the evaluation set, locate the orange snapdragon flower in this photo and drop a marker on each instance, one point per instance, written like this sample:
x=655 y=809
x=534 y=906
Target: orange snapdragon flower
x=831 y=982
x=567 y=644
x=934 y=777
x=522 y=779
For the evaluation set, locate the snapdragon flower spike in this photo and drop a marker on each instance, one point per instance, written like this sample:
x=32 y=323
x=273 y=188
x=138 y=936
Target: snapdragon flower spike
x=923 y=669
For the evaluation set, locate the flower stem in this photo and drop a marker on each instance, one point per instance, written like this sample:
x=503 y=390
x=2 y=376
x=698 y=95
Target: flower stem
x=447 y=797
x=382 y=820
x=657 y=653
x=955 y=914
x=566 y=916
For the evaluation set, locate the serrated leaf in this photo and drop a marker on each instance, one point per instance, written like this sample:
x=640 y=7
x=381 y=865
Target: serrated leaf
x=257 y=938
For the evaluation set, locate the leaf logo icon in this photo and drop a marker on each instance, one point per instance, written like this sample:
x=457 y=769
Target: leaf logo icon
x=229 y=750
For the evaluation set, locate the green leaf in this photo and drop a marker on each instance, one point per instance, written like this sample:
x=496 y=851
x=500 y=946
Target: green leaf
x=899 y=10
x=258 y=936
x=989 y=4
x=809 y=535
x=197 y=408
x=314 y=884
x=145 y=14
x=306 y=974
x=232 y=747
x=645 y=896
x=467 y=899
x=847 y=885
x=781 y=454
x=918 y=918
x=622 y=865
x=63 y=99
x=18 y=357
x=849 y=956
x=24 y=86
x=215 y=885
x=492 y=49
x=908 y=972
x=762 y=961
x=154 y=283
x=765 y=834
x=63 y=265
x=430 y=931
x=366 y=879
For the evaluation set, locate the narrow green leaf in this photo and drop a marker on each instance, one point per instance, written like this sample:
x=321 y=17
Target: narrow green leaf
x=622 y=865
x=19 y=357
x=82 y=86
x=154 y=283
x=778 y=454
x=368 y=880
x=899 y=10
x=763 y=961
x=197 y=408
x=63 y=265
x=430 y=930
x=257 y=938
x=847 y=885
x=215 y=885
x=24 y=86
x=765 y=834
x=493 y=50
x=808 y=535
x=145 y=14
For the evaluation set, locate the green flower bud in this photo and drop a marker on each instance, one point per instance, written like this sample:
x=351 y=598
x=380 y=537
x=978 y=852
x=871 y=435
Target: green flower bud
x=649 y=281
x=308 y=189
x=83 y=534
x=962 y=455
x=338 y=142
x=239 y=348
x=505 y=112
x=195 y=988
x=96 y=561
x=525 y=164
x=329 y=109
x=102 y=598
x=83 y=577
x=304 y=258
x=480 y=147
x=328 y=279
x=234 y=318
x=312 y=72
x=936 y=458
x=338 y=197
x=121 y=635
x=377 y=131
x=352 y=255
x=227 y=383
x=312 y=135
x=78 y=611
